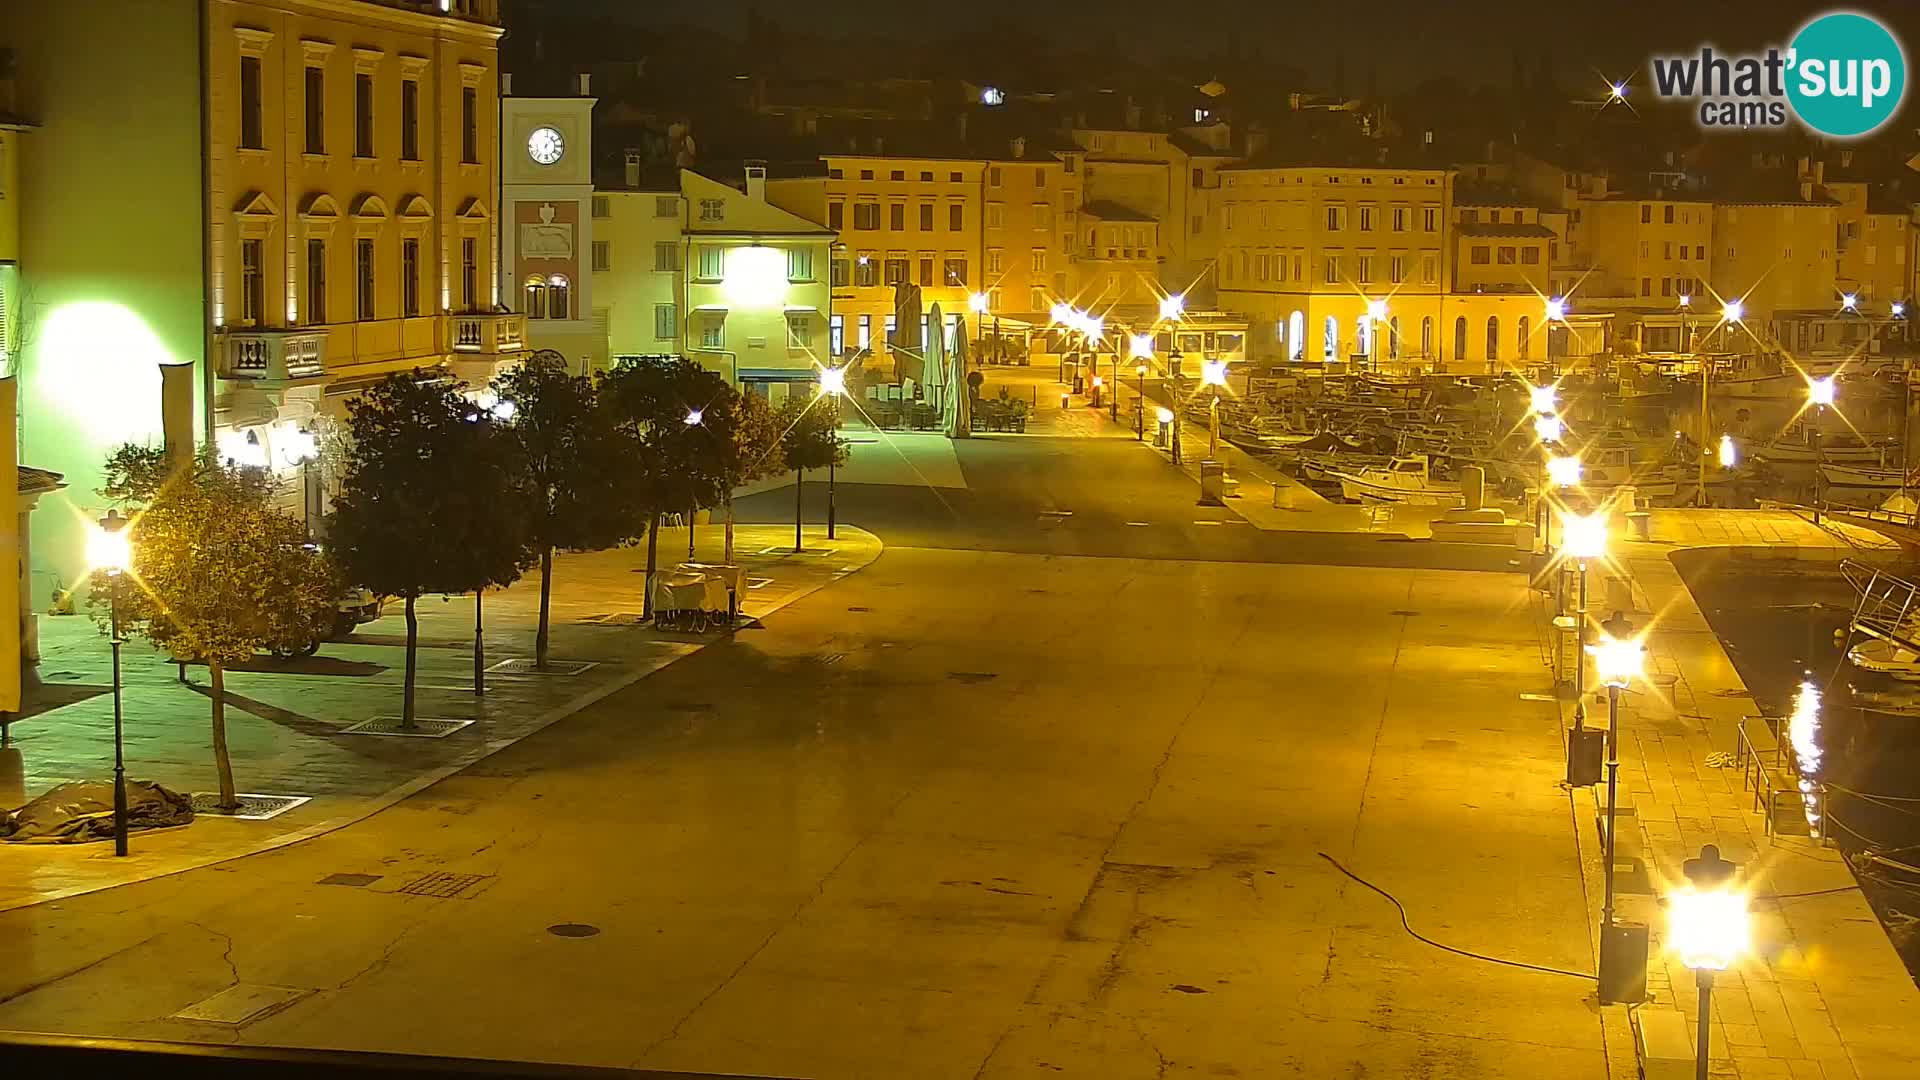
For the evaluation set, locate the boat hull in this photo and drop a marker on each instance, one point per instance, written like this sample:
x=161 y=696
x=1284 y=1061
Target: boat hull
x=1362 y=490
x=1850 y=476
x=1882 y=657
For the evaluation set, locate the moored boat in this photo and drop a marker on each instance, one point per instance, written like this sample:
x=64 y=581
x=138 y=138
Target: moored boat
x=1405 y=480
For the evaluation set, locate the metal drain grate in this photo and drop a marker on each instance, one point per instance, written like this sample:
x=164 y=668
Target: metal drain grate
x=573 y=930
x=972 y=678
x=252 y=807
x=351 y=881
x=444 y=885
x=523 y=665
x=424 y=727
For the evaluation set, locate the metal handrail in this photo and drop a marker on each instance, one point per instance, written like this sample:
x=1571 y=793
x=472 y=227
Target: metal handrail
x=1770 y=773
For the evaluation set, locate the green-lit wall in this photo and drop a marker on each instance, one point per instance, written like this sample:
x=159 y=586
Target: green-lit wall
x=111 y=240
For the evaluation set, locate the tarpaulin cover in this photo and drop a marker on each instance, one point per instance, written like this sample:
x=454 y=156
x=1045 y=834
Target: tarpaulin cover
x=82 y=810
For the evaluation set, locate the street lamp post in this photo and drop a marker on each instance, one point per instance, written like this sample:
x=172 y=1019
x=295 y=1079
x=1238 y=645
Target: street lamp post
x=1140 y=406
x=111 y=549
x=1583 y=537
x=1707 y=924
x=833 y=384
x=1617 y=661
x=1213 y=375
x=1819 y=395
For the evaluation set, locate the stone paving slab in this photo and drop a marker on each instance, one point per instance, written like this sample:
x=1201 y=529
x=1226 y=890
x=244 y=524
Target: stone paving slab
x=286 y=721
x=1823 y=994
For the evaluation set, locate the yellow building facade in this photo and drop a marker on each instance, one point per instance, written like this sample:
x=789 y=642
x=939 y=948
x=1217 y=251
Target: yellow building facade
x=1646 y=253
x=295 y=198
x=1003 y=228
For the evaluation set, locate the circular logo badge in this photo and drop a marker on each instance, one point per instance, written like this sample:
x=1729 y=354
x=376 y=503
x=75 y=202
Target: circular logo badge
x=1848 y=75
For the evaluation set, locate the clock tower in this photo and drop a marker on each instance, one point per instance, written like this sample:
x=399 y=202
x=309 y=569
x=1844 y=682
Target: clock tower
x=546 y=207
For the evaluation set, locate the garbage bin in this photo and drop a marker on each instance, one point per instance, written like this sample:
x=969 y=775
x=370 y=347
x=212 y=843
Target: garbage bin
x=1212 y=482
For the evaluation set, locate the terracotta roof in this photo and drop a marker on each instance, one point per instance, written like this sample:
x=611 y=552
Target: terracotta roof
x=39 y=481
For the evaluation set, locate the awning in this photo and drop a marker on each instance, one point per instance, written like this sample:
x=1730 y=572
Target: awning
x=783 y=374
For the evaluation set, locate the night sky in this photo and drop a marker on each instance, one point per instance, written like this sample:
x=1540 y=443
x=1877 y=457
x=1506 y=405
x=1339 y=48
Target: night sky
x=1408 y=40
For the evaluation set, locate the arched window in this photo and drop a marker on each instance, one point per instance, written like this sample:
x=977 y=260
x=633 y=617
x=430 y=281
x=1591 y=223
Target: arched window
x=1297 y=335
x=1426 y=336
x=1493 y=338
x=536 y=303
x=1460 y=338
x=1331 y=344
x=1363 y=337
x=559 y=298
x=1522 y=353
x=1393 y=338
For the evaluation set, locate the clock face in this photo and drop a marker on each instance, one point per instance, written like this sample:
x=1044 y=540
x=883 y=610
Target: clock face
x=545 y=145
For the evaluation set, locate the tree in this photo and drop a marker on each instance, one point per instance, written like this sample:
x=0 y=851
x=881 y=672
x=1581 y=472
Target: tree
x=676 y=419
x=751 y=451
x=569 y=457
x=809 y=439
x=220 y=573
x=429 y=503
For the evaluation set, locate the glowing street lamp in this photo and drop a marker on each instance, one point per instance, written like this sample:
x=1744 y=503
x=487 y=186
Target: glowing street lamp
x=1549 y=428
x=1686 y=301
x=833 y=381
x=1849 y=302
x=1899 y=309
x=1729 y=455
x=1617 y=92
x=694 y=416
x=110 y=548
x=1563 y=470
x=1732 y=311
x=1140 y=345
x=1541 y=399
x=1819 y=395
x=1583 y=536
x=1557 y=309
x=977 y=303
x=1707 y=927
x=1172 y=306
x=1060 y=314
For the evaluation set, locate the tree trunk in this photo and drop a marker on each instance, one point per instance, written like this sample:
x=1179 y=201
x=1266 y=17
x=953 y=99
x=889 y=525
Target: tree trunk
x=406 y=693
x=653 y=551
x=546 y=605
x=479 y=644
x=221 y=761
x=799 y=493
x=728 y=557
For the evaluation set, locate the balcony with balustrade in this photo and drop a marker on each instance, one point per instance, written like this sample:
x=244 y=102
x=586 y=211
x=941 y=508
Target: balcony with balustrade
x=272 y=356
x=491 y=334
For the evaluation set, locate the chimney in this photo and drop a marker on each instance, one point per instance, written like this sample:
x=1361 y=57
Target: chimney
x=1019 y=146
x=586 y=85
x=506 y=84
x=962 y=119
x=1846 y=156
x=1133 y=115
x=757 y=181
x=633 y=167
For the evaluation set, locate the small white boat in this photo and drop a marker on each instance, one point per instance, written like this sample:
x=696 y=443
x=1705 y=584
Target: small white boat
x=1404 y=480
x=1883 y=657
x=1863 y=477
x=1794 y=445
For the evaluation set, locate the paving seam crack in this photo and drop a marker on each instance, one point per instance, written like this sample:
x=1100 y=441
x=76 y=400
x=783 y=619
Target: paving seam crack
x=1373 y=759
x=226 y=955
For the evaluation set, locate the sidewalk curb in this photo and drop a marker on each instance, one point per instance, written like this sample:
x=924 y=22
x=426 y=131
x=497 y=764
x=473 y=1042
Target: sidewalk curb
x=400 y=792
